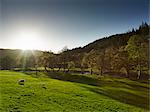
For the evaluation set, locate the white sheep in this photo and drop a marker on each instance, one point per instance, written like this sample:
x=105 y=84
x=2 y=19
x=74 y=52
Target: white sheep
x=21 y=81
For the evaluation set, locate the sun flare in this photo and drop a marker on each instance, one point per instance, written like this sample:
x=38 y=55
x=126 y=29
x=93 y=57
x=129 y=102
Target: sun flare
x=27 y=40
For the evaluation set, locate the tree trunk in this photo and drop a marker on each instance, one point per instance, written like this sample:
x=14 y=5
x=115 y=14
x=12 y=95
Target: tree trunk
x=139 y=74
x=128 y=72
x=36 y=70
x=91 y=71
x=53 y=69
x=64 y=69
x=46 y=69
x=82 y=70
x=68 y=70
x=101 y=71
x=139 y=71
x=59 y=69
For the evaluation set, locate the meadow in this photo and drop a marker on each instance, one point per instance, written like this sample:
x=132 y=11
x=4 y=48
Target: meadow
x=71 y=93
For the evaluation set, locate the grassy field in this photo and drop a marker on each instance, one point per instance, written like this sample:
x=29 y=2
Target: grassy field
x=44 y=94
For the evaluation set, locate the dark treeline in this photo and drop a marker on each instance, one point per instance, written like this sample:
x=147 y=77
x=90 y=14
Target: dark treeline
x=126 y=53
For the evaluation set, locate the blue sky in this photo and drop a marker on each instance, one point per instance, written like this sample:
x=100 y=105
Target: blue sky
x=71 y=23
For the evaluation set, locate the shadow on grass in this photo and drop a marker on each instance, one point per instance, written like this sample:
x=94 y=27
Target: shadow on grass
x=125 y=91
x=74 y=78
x=123 y=96
x=121 y=91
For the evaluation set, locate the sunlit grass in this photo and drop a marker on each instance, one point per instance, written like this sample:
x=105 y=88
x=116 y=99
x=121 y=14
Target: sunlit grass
x=45 y=94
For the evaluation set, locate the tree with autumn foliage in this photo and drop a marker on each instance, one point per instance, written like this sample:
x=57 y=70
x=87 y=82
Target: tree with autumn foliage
x=138 y=50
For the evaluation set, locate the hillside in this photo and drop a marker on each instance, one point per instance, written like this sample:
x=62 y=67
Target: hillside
x=116 y=40
x=115 y=51
x=43 y=94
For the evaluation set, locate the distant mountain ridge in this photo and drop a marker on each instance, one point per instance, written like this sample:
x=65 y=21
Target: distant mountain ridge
x=116 y=40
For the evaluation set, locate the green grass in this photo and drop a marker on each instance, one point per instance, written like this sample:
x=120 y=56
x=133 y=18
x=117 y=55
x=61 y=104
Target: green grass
x=44 y=94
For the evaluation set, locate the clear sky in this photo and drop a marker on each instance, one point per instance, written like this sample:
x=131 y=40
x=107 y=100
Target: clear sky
x=53 y=24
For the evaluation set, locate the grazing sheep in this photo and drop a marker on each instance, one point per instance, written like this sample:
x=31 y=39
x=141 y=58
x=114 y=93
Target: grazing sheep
x=21 y=81
x=43 y=86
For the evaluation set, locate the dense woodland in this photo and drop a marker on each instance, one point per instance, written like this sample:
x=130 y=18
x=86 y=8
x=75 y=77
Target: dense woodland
x=125 y=54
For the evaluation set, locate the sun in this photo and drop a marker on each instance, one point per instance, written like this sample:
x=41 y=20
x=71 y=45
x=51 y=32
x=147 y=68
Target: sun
x=27 y=40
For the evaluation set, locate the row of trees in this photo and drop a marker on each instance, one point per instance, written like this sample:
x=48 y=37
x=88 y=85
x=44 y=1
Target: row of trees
x=131 y=56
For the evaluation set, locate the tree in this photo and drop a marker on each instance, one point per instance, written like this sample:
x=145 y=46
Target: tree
x=109 y=54
x=64 y=59
x=70 y=65
x=58 y=62
x=90 y=60
x=64 y=49
x=121 y=60
x=136 y=48
x=100 y=61
x=84 y=64
x=6 y=62
x=51 y=63
x=46 y=60
x=143 y=29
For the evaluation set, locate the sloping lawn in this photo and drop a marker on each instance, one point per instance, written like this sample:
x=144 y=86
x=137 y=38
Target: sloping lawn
x=44 y=94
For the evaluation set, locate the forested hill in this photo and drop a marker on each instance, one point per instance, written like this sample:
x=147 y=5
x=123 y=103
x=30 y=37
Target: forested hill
x=114 y=40
x=129 y=51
